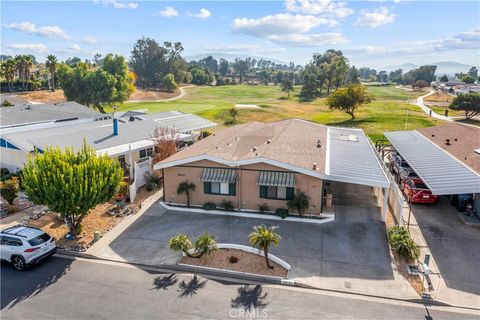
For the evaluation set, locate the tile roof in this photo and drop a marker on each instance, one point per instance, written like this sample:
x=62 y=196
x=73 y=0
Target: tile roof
x=464 y=140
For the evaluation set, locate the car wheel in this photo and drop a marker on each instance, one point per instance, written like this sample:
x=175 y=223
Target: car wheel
x=18 y=263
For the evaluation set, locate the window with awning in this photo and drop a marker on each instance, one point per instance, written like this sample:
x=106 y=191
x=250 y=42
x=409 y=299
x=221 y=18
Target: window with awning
x=276 y=179
x=220 y=175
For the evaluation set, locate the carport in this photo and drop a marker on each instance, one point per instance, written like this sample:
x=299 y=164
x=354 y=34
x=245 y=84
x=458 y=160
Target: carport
x=442 y=173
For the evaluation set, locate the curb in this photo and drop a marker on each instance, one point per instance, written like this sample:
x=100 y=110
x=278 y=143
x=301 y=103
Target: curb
x=256 y=279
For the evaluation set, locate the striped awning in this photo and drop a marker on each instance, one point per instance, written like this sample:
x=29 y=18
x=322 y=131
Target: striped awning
x=277 y=179
x=218 y=175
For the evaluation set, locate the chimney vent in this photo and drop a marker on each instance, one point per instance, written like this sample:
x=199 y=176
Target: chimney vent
x=315 y=166
x=447 y=142
x=254 y=149
x=319 y=143
x=115 y=127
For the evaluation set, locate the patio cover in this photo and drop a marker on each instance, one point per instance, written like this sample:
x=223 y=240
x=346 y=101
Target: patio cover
x=441 y=172
x=276 y=179
x=222 y=175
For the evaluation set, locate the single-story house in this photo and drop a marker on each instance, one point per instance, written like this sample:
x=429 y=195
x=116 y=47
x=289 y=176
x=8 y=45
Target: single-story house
x=268 y=163
x=126 y=138
x=445 y=157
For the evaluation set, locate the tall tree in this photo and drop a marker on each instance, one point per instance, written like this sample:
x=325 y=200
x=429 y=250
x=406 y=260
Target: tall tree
x=349 y=99
x=8 y=69
x=352 y=76
x=468 y=102
x=444 y=78
x=473 y=72
x=241 y=67
x=97 y=87
x=426 y=73
x=223 y=67
x=169 y=82
x=287 y=86
x=71 y=183
x=51 y=64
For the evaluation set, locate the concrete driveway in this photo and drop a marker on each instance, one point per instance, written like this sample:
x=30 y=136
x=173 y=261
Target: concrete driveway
x=351 y=249
x=456 y=249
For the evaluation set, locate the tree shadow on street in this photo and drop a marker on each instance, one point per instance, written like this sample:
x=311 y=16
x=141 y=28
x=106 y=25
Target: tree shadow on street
x=18 y=286
x=190 y=288
x=164 y=282
x=250 y=298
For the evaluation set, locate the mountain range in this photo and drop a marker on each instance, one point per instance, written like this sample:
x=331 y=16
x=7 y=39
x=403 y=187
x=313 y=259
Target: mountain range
x=443 y=67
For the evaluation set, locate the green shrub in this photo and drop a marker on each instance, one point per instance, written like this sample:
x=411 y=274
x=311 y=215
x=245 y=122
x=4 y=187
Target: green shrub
x=403 y=244
x=282 y=212
x=9 y=190
x=181 y=242
x=6 y=103
x=209 y=206
x=263 y=208
x=227 y=205
x=205 y=244
x=152 y=181
x=300 y=202
x=4 y=171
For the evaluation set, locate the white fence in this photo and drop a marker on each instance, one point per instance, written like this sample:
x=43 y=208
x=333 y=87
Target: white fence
x=140 y=168
x=396 y=201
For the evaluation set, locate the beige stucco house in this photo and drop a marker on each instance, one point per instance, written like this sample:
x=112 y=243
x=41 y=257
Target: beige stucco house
x=267 y=163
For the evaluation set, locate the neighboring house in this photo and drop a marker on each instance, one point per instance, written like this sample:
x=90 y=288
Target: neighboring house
x=257 y=163
x=29 y=116
x=443 y=156
x=128 y=139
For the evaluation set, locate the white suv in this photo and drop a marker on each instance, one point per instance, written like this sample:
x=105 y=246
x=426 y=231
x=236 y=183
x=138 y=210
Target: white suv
x=24 y=246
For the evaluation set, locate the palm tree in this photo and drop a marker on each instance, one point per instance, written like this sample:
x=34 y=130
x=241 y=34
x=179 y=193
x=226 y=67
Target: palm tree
x=205 y=244
x=28 y=66
x=181 y=242
x=186 y=187
x=8 y=72
x=262 y=238
x=20 y=67
x=52 y=67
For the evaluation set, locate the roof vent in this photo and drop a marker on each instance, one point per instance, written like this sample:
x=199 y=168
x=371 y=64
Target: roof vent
x=455 y=139
x=28 y=107
x=315 y=166
x=217 y=147
x=319 y=143
x=433 y=135
x=268 y=141
x=132 y=118
x=254 y=149
x=447 y=142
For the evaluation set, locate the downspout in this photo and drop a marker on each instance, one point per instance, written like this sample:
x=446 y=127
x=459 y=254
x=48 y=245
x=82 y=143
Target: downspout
x=163 y=185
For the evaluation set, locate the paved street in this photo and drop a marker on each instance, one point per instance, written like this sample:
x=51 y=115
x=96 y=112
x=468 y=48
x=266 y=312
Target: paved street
x=62 y=288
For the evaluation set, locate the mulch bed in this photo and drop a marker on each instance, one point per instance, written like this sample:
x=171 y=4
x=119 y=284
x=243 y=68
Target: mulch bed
x=247 y=262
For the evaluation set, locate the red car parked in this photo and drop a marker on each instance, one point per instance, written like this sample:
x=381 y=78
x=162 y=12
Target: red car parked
x=417 y=192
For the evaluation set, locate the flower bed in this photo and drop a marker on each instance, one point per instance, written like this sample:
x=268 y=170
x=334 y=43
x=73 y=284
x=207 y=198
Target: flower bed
x=247 y=262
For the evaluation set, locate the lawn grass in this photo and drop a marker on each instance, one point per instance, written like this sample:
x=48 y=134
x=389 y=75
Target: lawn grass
x=386 y=113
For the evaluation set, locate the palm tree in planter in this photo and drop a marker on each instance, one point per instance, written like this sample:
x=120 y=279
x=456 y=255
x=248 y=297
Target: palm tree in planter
x=262 y=238
x=300 y=202
x=203 y=245
x=186 y=187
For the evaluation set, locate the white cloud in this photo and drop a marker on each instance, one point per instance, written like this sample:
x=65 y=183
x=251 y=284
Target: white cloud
x=203 y=14
x=73 y=48
x=117 y=4
x=319 y=7
x=278 y=24
x=43 y=31
x=375 y=18
x=246 y=48
x=28 y=47
x=286 y=28
x=169 y=12
x=465 y=40
x=310 y=40
x=90 y=40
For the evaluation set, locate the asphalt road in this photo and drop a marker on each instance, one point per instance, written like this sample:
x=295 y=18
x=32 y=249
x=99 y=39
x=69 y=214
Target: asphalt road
x=84 y=289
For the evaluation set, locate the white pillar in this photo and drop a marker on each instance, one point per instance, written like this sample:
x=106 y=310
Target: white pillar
x=130 y=160
x=385 y=204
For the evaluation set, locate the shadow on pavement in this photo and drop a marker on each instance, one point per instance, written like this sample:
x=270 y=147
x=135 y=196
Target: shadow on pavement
x=17 y=286
x=250 y=298
x=190 y=288
x=164 y=282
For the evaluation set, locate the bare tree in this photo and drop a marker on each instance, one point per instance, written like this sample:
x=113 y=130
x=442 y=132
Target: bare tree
x=165 y=143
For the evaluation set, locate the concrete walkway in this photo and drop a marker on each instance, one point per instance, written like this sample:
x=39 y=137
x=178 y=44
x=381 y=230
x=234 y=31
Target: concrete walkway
x=429 y=111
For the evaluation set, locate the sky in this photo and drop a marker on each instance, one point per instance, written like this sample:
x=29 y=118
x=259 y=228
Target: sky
x=374 y=33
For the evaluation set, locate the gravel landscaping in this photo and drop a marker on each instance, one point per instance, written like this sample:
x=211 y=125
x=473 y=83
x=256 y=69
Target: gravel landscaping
x=247 y=262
